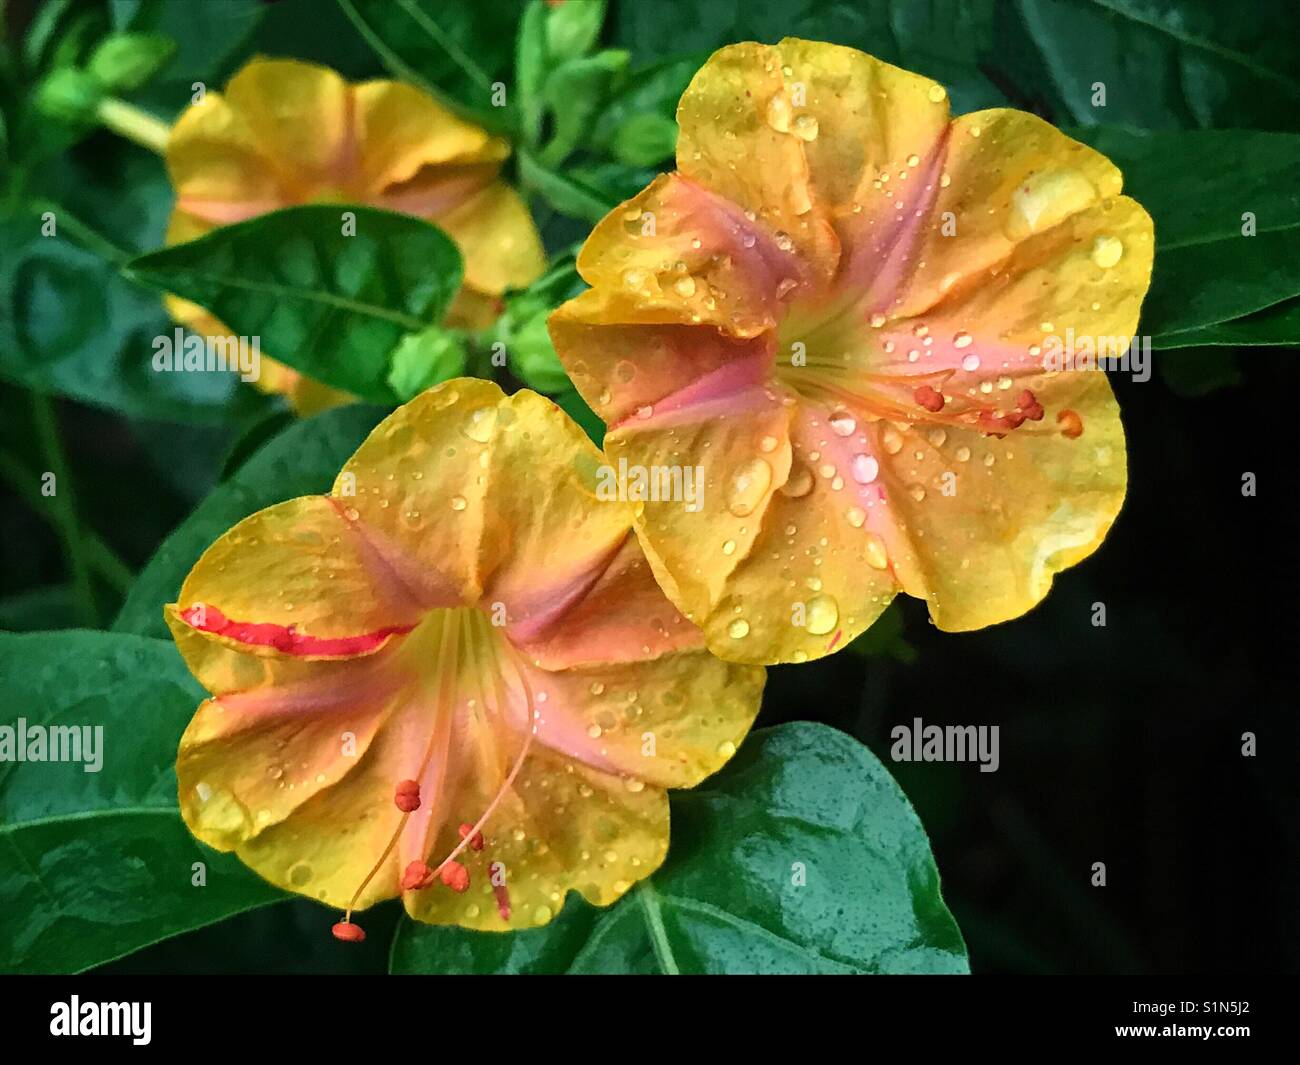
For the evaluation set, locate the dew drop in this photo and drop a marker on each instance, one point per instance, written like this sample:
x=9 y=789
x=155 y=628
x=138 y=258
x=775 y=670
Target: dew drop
x=738 y=629
x=748 y=487
x=864 y=468
x=874 y=550
x=458 y=503
x=823 y=613
x=1106 y=251
x=842 y=423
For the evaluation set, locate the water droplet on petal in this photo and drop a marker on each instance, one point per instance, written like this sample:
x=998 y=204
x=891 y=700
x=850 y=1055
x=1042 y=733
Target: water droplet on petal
x=874 y=549
x=865 y=468
x=823 y=613
x=749 y=487
x=1106 y=251
x=738 y=629
x=843 y=423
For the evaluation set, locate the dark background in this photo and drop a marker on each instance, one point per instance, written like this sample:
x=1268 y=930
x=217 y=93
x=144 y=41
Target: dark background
x=1119 y=744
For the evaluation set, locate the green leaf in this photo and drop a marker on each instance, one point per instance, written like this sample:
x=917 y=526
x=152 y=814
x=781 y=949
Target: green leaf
x=649 y=92
x=953 y=41
x=424 y=359
x=644 y=140
x=302 y=460
x=1197 y=185
x=800 y=801
x=71 y=326
x=573 y=29
x=332 y=305
x=98 y=864
x=1163 y=65
x=522 y=326
x=565 y=193
x=574 y=93
x=457 y=52
x=531 y=64
x=211 y=42
x=123 y=62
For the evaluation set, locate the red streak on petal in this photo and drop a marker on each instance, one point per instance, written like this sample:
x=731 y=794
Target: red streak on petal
x=835 y=640
x=503 y=900
x=286 y=639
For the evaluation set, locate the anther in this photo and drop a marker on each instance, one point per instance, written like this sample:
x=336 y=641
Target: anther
x=475 y=838
x=455 y=876
x=348 y=932
x=407 y=798
x=418 y=875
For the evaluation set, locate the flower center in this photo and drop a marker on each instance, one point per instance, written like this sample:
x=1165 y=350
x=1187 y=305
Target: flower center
x=450 y=650
x=832 y=353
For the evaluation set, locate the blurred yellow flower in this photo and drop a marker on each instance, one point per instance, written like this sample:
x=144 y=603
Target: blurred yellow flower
x=287 y=132
x=839 y=308
x=453 y=678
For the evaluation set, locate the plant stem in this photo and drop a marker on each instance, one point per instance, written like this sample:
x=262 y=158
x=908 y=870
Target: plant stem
x=127 y=120
x=64 y=508
x=103 y=559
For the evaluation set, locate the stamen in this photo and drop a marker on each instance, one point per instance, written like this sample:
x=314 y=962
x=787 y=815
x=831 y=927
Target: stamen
x=449 y=870
x=417 y=876
x=455 y=876
x=929 y=398
x=407 y=798
x=349 y=932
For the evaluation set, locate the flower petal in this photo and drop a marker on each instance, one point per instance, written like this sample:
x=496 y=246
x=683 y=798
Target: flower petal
x=219 y=169
x=497 y=237
x=301 y=115
x=400 y=130
x=438 y=482
x=741 y=137
x=1019 y=509
x=307 y=574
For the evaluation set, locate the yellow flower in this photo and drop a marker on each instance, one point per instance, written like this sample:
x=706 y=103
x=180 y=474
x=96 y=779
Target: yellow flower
x=839 y=307
x=286 y=132
x=453 y=678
